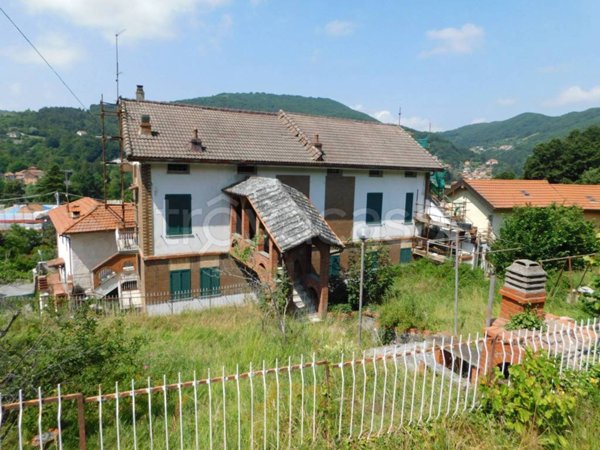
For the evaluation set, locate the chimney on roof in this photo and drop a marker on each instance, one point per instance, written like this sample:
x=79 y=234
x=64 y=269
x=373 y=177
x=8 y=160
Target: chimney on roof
x=196 y=141
x=318 y=144
x=139 y=93
x=75 y=212
x=145 y=126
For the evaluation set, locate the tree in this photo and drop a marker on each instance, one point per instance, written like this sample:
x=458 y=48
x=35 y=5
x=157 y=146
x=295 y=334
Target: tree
x=590 y=176
x=544 y=233
x=565 y=160
x=52 y=181
x=505 y=175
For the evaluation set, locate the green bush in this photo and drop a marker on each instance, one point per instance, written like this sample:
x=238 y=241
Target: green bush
x=526 y=320
x=539 y=398
x=591 y=302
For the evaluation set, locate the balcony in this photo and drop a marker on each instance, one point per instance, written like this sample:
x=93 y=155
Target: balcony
x=127 y=240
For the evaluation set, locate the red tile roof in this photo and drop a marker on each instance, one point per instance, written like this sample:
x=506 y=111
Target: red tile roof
x=93 y=216
x=508 y=194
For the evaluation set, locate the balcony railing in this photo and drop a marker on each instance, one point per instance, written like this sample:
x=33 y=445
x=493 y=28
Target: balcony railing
x=127 y=240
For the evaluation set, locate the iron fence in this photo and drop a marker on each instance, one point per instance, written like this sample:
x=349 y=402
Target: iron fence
x=301 y=403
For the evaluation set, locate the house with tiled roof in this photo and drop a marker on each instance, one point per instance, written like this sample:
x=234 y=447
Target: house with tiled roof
x=298 y=189
x=97 y=249
x=485 y=203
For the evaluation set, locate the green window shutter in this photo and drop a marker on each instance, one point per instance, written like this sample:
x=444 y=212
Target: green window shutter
x=374 y=204
x=334 y=265
x=405 y=255
x=178 y=212
x=210 y=281
x=180 y=284
x=408 y=207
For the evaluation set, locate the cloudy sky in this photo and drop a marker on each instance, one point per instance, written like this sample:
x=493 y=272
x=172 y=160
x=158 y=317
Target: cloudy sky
x=448 y=63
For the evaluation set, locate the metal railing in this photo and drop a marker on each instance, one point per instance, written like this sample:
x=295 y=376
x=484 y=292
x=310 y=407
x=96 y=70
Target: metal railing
x=303 y=402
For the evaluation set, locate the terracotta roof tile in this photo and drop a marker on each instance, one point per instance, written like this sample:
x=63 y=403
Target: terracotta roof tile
x=93 y=216
x=507 y=194
x=257 y=137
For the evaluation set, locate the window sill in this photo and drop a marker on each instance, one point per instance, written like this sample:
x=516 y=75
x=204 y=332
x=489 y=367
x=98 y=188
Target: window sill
x=177 y=236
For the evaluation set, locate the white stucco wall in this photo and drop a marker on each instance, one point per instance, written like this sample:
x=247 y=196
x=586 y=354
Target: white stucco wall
x=479 y=214
x=394 y=185
x=63 y=248
x=89 y=250
x=211 y=214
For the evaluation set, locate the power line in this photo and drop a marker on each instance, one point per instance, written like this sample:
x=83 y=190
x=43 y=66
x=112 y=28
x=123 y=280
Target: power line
x=44 y=59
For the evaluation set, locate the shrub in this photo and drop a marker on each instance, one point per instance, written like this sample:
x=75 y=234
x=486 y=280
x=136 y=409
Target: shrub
x=539 y=398
x=526 y=320
x=591 y=302
x=379 y=276
x=404 y=313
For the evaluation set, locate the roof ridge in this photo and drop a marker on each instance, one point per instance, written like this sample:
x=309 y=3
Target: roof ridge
x=315 y=153
x=210 y=108
x=80 y=219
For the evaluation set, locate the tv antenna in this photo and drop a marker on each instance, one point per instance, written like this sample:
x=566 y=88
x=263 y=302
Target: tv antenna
x=117 y=73
x=399 y=114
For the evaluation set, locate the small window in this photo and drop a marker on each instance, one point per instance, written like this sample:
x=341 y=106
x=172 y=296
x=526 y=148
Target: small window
x=178 y=168
x=374 y=205
x=376 y=173
x=246 y=170
x=129 y=286
x=410 y=174
x=178 y=213
x=210 y=281
x=334 y=171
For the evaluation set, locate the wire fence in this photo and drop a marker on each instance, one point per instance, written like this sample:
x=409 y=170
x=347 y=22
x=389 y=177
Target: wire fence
x=302 y=403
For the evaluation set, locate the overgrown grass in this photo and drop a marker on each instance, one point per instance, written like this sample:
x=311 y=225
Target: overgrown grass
x=234 y=335
x=431 y=286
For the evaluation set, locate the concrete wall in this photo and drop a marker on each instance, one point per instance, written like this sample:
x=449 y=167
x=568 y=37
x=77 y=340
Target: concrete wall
x=477 y=212
x=87 y=251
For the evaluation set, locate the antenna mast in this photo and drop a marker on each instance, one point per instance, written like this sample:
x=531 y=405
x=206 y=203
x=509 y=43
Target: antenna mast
x=117 y=73
x=399 y=114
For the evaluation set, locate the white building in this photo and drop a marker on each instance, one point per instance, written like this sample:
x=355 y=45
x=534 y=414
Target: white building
x=360 y=176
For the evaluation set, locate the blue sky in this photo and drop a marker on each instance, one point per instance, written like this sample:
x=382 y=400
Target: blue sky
x=446 y=62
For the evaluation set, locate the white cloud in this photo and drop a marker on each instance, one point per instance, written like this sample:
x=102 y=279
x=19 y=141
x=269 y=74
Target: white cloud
x=462 y=40
x=339 y=28
x=507 y=101
x=357 y=107
x=478 y=120
x=575 y=95
x=58 y=49
x=143 y=19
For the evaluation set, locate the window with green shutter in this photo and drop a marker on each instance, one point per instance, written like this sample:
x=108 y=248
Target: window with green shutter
x=374 y=204
x=408 y=207
x=210 y=281
x=180 y=284
x=178 y=213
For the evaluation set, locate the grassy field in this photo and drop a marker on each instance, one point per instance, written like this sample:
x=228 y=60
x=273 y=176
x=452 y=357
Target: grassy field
x=431 y=286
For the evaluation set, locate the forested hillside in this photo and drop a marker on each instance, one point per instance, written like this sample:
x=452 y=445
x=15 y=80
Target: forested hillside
x=512 y=141
x=259 y=101
x=48 y=139
x=574 y=159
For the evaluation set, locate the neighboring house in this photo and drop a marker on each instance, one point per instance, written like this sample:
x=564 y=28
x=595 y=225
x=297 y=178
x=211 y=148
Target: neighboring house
x=293 y=188
x=97 y=248
x=31 y=215
x=31 y=175
x=485 y=203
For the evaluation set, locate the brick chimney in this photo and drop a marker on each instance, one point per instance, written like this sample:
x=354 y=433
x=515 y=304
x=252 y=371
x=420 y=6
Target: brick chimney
x=524 y=286
x=145 y=126
x=75 y=212
x=139 y=93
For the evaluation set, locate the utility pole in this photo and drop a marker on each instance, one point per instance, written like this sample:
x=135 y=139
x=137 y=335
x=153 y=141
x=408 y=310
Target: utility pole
x=456 y=263
x=363 y=237
x=117 y=73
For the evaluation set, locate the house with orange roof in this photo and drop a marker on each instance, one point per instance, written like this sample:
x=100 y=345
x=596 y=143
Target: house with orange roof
x=97 y=249
x=485 y=203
